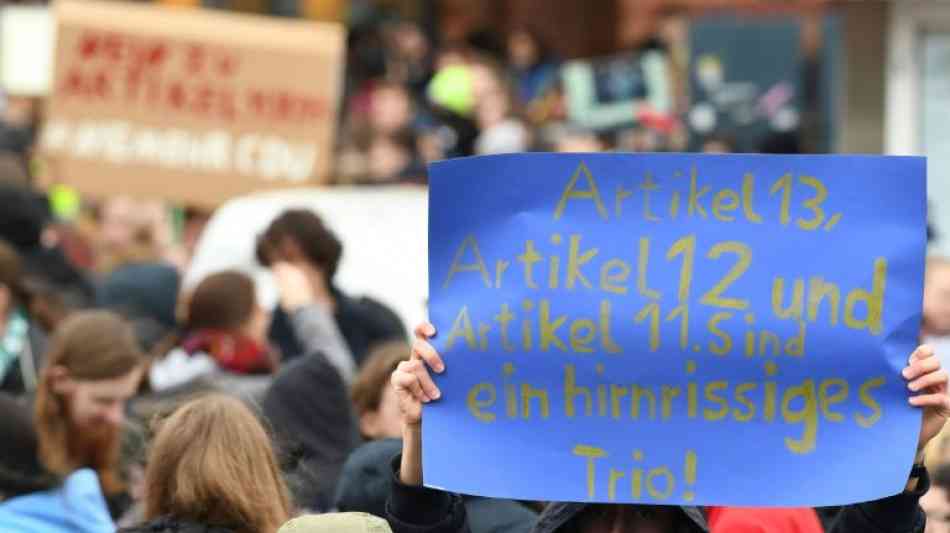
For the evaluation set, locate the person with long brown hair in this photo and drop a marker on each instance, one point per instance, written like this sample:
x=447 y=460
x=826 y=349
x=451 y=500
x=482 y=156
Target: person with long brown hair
x=212 y=469
x=93 y=366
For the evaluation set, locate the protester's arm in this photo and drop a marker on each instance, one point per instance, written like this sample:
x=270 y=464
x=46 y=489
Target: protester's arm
x=901 y=513
x=312 y=319
x=413 y=508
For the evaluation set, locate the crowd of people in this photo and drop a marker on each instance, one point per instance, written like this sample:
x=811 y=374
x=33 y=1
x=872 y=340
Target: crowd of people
x=409 y=102
x=131 y=404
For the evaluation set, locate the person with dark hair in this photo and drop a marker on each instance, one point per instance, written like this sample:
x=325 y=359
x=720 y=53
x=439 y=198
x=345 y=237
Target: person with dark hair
x=225 y=329
x=299 y=237
x=57 y=286
x=93 y=366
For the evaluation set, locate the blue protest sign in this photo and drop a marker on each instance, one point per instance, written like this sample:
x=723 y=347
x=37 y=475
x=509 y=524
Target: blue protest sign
x=675 y=329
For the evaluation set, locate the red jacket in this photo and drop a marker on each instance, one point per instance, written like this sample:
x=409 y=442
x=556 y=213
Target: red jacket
x=763 y=520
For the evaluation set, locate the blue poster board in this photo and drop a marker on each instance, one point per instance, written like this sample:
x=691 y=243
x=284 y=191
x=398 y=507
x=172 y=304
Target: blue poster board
x=674 y=329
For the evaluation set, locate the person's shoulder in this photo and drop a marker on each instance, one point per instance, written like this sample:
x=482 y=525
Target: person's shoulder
x=76 y=506
x=375 y=312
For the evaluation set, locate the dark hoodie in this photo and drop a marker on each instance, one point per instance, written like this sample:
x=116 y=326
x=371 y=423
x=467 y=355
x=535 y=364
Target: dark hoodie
x=167 y=524
x=425 y=510
x=314 y=428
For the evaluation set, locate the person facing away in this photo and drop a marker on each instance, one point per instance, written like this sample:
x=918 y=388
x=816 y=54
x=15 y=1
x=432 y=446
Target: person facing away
x=299 y=237
x=94 y=365
x=225 y=329
x=418 y=509
x=211 y=469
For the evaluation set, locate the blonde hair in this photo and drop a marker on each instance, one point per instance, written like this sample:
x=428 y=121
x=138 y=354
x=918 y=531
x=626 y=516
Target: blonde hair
x=90 y=346
x=212 y=462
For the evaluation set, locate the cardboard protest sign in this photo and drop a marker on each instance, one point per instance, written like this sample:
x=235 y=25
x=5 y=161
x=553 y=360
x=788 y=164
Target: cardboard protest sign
x=190 y=105
x=673 y=329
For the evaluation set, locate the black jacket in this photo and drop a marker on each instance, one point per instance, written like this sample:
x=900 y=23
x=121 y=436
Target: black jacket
x=363 y=322
x=168 y=524
x=365 y=486
x=425 y=510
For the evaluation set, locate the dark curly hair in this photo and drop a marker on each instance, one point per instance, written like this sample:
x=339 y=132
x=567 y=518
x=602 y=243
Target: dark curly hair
x=305 y=229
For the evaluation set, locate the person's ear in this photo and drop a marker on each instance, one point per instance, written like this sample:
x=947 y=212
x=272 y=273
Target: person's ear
x=369 y=424
x=61 y=383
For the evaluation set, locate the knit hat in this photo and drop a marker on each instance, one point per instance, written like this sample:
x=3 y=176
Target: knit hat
x=336 y=523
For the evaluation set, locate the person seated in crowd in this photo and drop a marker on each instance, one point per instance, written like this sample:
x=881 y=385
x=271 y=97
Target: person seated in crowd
x=22 y=339
x=413 y=507
x=299 y=237
x=211 y=469
x=93 y=367
x=225 y=329
x=224 y=335
x=373 y=396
